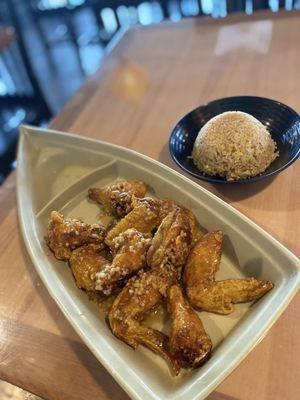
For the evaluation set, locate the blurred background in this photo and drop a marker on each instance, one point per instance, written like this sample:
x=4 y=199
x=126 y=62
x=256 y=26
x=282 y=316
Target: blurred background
x=49 y=47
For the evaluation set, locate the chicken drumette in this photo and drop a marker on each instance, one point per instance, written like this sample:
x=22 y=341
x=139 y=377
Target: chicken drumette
x=204 y=293
x=93 y=272
x=189 y=343
x=117 y=198
x=171 y=243
x=166 y=206
x=86 y=262
x=143 y=218
x=65 y=235
x=129 y=251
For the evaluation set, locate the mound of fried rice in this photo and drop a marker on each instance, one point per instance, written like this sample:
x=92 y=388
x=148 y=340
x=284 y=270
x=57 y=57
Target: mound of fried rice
x=234 y=145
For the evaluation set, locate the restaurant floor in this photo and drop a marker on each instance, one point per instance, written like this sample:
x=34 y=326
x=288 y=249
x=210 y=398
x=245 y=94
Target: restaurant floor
x=10 y=392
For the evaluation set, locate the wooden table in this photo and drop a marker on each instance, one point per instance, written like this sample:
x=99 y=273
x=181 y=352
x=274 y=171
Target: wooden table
x=149 y=80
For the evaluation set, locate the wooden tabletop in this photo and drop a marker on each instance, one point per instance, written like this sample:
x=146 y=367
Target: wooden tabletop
x=148 y=81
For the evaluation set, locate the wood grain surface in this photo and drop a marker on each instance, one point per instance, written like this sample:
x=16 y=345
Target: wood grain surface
x=150 y=79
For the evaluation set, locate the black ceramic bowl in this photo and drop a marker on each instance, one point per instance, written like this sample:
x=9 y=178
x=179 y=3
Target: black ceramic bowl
x=282 y=122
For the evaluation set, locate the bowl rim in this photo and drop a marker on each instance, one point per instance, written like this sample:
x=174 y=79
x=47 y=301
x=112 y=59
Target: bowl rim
x=211 y=179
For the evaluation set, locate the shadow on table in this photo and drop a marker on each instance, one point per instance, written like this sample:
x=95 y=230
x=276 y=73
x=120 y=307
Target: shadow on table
x=220 y=396
x=231 y=193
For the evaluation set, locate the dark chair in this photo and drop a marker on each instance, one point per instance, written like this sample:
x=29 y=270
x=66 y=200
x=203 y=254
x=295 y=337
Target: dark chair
x=260 y=4
x=235 y=5
x=65 y=14
x=27 y=88
x=21 y=99
x=61 y=25
x=253 y=5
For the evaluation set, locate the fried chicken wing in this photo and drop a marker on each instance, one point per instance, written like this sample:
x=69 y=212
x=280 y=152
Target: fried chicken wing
x=102 y=301
x=142 y=295
x=204 y=259
x=65 y=235
x=203 y=292
x=220 y=297
x=129 y=256
x=94 y=272
x=86 y=262
x=117 y=198
x=189 y=343
x=143 y=218
x=166 y=206
x=171 y=242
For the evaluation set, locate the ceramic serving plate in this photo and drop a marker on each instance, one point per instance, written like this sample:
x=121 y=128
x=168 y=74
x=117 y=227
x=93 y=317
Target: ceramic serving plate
x=55 y=171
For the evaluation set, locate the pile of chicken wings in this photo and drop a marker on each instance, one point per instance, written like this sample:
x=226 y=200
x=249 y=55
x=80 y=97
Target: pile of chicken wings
x=152 y=254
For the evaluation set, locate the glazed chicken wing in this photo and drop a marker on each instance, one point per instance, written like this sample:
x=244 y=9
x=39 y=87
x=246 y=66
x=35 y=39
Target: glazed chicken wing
x=65 y=235
x=143 y=218
x=189 y=343
x=171 y=243
x=94 y=272
x=166 y=206
x=142 y=295
x=117 y=198
x=204 y=292
x=86 y=262
x=129 y=256
x=220 y=297
x=204 y=259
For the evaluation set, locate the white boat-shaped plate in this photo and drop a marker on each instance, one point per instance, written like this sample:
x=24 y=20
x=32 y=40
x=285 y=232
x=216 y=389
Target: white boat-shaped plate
x=54 y=172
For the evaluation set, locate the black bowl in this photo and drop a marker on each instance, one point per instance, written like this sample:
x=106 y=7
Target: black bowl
x=282 y=122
